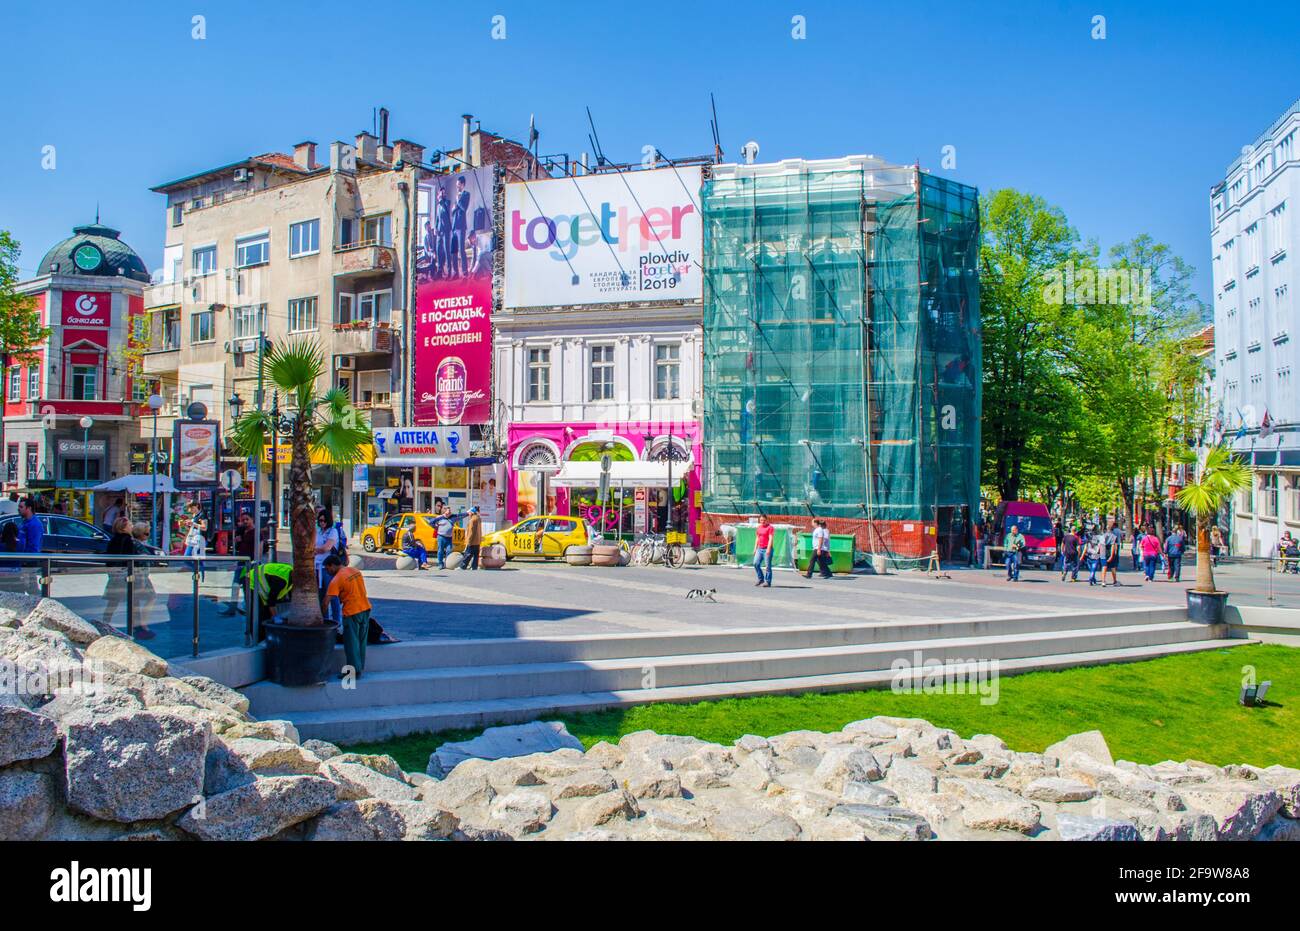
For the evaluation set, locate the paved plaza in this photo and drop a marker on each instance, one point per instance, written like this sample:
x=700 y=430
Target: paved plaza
x=530 y=599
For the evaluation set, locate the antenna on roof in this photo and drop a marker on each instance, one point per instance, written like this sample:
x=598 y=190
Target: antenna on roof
x=595 y=140
x=713 y=126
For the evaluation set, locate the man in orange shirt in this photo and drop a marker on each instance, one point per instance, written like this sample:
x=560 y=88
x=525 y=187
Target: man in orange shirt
x=347 y=585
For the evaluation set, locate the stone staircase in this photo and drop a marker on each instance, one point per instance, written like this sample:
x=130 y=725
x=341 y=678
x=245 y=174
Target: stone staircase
x=431 y=685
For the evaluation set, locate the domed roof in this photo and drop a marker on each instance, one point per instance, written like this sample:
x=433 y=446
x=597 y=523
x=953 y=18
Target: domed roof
x=96 y=251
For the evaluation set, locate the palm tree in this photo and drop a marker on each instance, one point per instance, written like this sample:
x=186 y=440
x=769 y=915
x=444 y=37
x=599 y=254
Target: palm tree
x=1221 y=476
x=325 y=423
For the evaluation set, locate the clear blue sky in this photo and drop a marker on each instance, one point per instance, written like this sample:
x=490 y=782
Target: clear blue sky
x=1125 y=134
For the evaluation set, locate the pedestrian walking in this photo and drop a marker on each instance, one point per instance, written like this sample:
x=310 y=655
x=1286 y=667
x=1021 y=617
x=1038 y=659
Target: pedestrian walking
x=821 y=551
x=1094 y=551
x=1112 y=540
x=145 y=593
x=196 y=539
x=445 y=526
x=1216 y=544
x=763 y=545
x=1136 y=547
x=120 y=544
x=349 y=587
x=1012 y=544
x=1175 y=546
x=1150 y=546
x=473 y=539
x=1070 y=551
x=327 y=541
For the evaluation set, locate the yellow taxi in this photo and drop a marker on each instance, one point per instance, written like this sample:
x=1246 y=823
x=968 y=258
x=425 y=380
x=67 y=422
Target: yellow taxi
x=545 y=536
x=388 y=536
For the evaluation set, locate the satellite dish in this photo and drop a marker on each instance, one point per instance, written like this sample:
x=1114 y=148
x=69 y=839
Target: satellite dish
x=749 y=151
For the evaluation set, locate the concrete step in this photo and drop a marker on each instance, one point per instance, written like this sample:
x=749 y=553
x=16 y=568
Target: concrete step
x=524 y=680
x=349 y=725
x=427 y=654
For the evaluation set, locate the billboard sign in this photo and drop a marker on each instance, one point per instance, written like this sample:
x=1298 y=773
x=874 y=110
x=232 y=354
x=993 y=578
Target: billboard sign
x=87 y=309
x=605 y=238
x=197 y=449
x=453 y=299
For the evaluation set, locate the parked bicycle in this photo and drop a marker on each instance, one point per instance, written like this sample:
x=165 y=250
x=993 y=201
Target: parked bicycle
x=654 y=548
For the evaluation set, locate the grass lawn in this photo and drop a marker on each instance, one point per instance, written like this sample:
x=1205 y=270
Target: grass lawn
x=1174 y=708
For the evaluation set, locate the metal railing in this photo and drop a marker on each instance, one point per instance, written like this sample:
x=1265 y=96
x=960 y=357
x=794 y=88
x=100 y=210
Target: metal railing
x=35 y=574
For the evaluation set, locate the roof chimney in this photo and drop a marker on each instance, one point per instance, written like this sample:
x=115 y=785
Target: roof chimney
x=409 y=152
x=304 y=155
x=383 y=127
x=466 y=156
x=367 y=147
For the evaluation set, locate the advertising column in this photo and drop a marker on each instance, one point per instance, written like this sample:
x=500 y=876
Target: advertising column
x=453 y=300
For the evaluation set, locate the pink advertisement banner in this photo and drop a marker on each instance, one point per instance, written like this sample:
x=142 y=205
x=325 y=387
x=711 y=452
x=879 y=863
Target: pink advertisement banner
x=453 y=300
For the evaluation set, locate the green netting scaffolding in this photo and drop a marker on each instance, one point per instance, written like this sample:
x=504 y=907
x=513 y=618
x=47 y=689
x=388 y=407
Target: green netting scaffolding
x=842 y=347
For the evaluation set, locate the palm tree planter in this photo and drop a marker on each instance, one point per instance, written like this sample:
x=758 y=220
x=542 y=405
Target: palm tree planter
x=300 y=643
x=1220 y=477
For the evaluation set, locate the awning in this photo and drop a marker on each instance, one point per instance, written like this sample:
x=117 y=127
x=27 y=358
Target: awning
x=635 y=474
x=284 y=455
x=139 y=485
x=446 y=462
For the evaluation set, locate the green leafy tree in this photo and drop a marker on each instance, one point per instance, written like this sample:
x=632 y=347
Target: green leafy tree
x=1219 y=477
x=21 y=330
x=1026 y=396
x=324 y=422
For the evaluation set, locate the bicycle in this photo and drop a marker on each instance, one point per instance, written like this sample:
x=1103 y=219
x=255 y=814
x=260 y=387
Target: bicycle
x=655 y=548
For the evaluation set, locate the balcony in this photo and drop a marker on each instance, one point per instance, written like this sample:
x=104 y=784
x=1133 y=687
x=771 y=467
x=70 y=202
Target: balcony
x=164 y=294
x=363 y=258
x=361 y=337
x=161 y=361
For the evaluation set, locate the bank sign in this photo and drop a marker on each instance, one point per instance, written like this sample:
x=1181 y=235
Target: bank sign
x=602 y=239
x=397 y=442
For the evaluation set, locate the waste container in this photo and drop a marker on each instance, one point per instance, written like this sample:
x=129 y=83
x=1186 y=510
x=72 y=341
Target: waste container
x=841 y=552
x=782 y=545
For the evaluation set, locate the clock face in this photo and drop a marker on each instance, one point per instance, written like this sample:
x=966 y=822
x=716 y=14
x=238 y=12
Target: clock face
x=87 y=257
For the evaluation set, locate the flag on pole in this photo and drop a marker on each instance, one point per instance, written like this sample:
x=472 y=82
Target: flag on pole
x=1265 y=425
x=1241 y=428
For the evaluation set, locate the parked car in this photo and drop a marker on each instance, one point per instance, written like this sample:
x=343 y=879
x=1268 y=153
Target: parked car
x=1035 y=523
x=388 y=536
x=70 y=535
x=546 y=536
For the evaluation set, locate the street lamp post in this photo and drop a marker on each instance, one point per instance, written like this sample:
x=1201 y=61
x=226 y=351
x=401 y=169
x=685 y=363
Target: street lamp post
x=155 y=402
x=236 y=407
x=86 y=423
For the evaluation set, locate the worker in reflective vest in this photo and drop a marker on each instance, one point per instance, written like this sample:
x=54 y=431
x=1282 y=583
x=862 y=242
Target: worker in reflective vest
x=273 y=583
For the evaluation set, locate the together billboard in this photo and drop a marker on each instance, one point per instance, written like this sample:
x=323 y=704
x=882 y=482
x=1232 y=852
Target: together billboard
x=604 y=238
x=453 y=299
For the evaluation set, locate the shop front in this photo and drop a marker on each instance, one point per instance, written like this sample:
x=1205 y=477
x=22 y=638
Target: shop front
x=653 y=477
x=418 y=469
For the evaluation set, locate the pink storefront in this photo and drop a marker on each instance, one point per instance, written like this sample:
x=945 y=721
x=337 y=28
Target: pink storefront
x=556 y=469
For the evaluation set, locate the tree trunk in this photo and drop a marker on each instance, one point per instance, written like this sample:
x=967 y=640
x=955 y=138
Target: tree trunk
x=304 y=605
x=1204 y=566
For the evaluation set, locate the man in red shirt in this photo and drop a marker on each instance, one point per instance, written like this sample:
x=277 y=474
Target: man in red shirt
x=763 y=551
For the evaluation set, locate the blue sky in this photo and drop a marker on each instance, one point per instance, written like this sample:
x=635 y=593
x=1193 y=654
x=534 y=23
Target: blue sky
x=1126 y=134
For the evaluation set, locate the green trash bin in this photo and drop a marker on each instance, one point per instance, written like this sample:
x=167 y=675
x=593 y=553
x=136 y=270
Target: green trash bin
x=781 y=554
x=744 y=547
x=841 y=552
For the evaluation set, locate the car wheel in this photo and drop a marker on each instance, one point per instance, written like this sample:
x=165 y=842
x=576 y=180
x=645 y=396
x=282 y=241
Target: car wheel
x=368 y=544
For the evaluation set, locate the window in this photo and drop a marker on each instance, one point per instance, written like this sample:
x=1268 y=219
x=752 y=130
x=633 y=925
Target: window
x=178 y=214
x=201 y=327
x=204 y=261
x=602 y=373
x=346 y=227
x=253 y=250
x=1252 y=245
x=1285 y=150
x=33 y=382
x=375 y=387
x=1268 y=504
x=375 y=306
x=377 y=230
x=85 y=383
x=302 y=314
x=11 y=474
x=668 y=369
x=346 y=304
x=304 y=238
x=1277 y=228
x=539 y=374
x=248 y=321
x=33 y=462
x=15 y=384
x=171 y=332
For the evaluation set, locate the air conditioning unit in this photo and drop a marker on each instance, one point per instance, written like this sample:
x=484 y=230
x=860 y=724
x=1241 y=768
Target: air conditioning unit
x=230 y=274
x=345 y=362
x=243 y=174
x=248 y=345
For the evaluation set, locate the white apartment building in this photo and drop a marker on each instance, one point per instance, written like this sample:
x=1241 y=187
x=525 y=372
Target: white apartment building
x=1254 y=243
